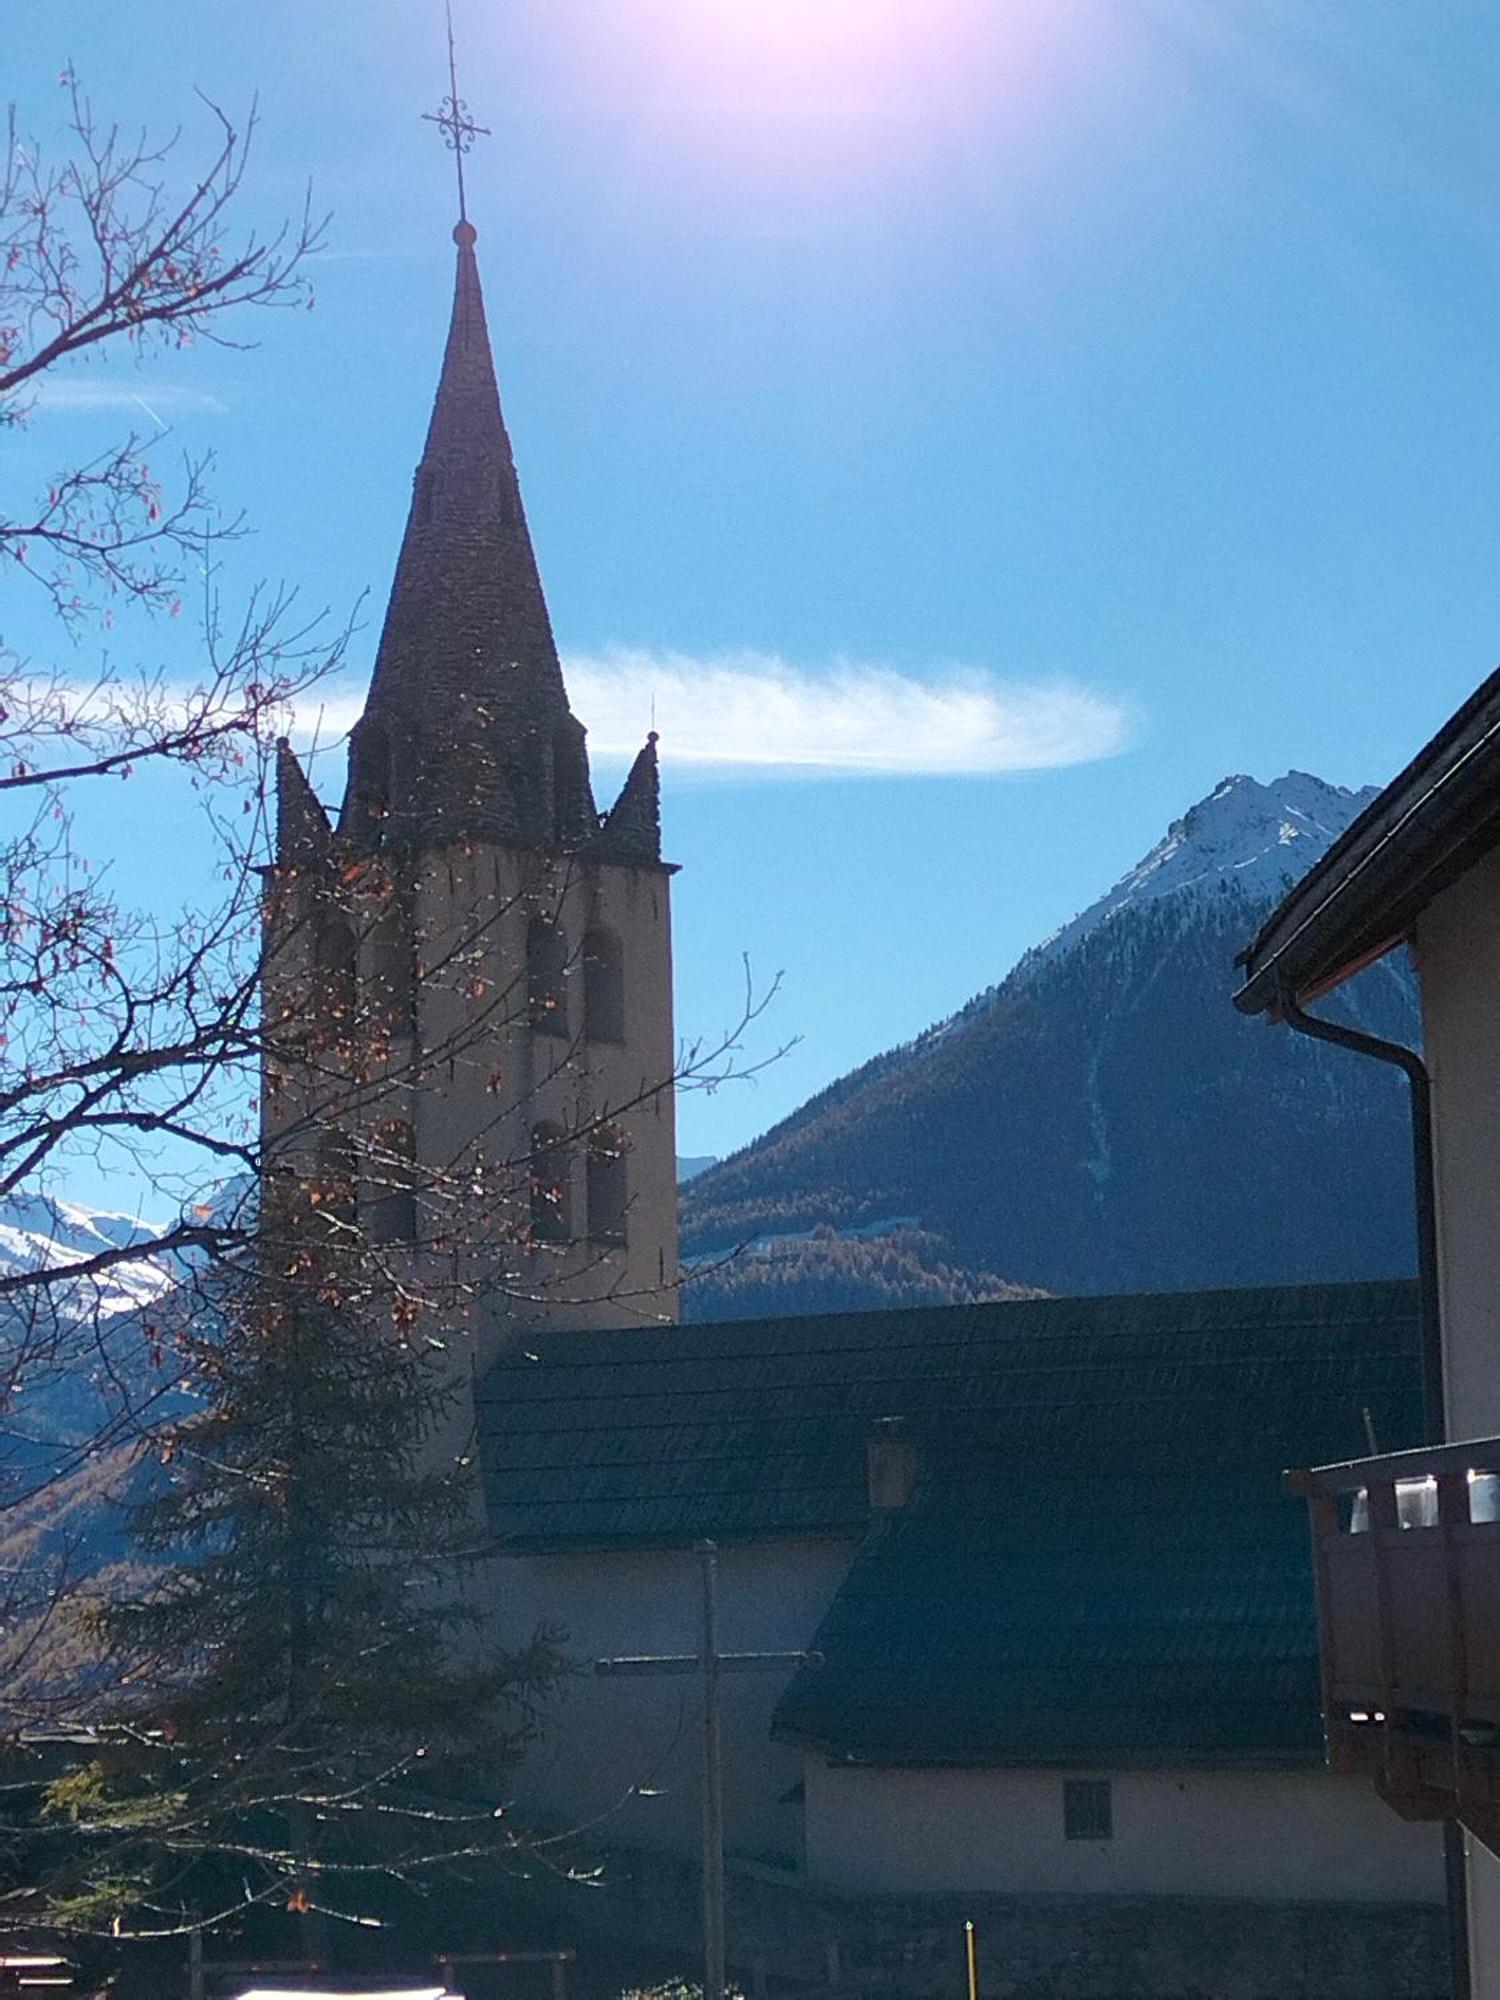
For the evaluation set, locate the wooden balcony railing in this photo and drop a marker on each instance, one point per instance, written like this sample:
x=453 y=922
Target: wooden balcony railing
x=1406 y=1554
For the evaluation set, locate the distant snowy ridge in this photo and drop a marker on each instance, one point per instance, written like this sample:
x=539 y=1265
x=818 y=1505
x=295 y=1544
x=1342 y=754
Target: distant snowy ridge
x=1245 y=839
x=42 y=1233
x=1258 y=839
x=1103 y=1118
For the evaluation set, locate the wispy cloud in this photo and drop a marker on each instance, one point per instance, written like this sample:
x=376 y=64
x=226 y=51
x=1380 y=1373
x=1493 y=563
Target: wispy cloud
x=160 y=401
x=756 y=714
x=759 y=712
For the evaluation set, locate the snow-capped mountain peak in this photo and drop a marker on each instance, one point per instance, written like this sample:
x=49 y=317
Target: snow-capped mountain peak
x=1104 y=1119
x=41 y=1232
x=1256 y=838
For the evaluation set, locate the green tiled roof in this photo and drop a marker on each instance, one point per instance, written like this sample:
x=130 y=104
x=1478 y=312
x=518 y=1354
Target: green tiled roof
x=1099 y=1560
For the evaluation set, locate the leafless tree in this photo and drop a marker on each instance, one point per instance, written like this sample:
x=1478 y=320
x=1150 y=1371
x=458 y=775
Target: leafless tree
x=125 y=1033
x=139 y=1040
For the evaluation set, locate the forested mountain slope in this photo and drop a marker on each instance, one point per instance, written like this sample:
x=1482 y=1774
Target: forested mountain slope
x=1104 y=1119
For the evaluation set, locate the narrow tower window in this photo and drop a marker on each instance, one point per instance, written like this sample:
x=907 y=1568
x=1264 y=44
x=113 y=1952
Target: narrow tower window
x=551 y=1194
x=333 y=1190
x=390 y=1182
x=609 y=1185
x=336 y=958
x=546 y=973
x=393 y=972
x=603 y=986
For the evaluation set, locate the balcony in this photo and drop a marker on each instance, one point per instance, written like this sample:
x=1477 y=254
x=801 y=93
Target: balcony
x=1406 y=1555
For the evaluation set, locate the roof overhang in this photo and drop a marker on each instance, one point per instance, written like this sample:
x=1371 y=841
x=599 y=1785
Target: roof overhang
x=1426 y=829
x=1164 y=1756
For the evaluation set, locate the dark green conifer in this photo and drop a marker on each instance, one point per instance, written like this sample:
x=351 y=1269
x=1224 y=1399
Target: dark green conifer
x=302 y=1709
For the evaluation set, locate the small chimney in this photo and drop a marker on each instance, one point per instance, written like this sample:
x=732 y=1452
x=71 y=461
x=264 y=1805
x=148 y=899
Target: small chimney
x=890 y=1465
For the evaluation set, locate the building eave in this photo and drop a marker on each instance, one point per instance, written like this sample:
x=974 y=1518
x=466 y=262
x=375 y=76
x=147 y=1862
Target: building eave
x=1426 y=829
x=521 y=1546
x=1157 y=1757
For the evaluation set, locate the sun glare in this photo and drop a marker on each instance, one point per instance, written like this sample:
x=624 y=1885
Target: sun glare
x=798 y=49
x=725 y=104
x=804 y=89
x=843 y=30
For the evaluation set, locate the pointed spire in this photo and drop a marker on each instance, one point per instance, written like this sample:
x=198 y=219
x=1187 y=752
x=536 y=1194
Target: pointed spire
x=632 y=829
x=303 y=834
x=467 y=715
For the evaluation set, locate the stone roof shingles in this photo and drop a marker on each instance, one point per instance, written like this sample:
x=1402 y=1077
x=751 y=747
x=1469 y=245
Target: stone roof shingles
x=632 y=829
x=303 y=833
x=1099 y=1560
x=467 y=714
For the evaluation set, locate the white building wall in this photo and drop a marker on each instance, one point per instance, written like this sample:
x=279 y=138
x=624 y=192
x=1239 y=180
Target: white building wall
x=1484 y=1921
x=624 y=1756
x=1458 y=956
x=1249 y=1835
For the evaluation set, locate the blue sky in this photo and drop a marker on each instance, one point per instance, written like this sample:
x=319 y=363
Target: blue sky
x=924 y=383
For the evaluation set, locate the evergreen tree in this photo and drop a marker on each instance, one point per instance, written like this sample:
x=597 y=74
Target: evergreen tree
x=301 y=1711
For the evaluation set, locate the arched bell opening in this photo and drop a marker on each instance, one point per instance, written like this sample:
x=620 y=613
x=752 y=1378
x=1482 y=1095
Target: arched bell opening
x=551 y=1184
x=603 y=985
x=389 y=1204
x=334 y=1191
x=608 y=1185
x=393 y=964
x=336 y=968
x=546 y=976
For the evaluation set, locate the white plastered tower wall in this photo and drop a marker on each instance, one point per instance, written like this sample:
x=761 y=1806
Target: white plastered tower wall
x=479 y=1109
x=473 y=1076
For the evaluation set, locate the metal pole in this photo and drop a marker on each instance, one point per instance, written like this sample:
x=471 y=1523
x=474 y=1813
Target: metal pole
x=196 y=1985
x=713 y=1784
x=971 y=1955
x=709 y=1663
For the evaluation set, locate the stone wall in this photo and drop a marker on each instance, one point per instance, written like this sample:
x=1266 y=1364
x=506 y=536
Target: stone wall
x=784 y=1938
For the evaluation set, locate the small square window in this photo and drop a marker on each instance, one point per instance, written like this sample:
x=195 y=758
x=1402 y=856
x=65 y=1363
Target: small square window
x=1088 y=1810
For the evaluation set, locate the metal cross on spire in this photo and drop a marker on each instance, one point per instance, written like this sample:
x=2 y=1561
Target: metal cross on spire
x=458 y=128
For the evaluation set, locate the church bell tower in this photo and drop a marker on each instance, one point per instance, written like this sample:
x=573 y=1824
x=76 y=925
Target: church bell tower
x=478 y=958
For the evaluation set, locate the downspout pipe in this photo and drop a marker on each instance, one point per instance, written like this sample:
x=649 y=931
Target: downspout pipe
x=1434 y=1421
x=1291 y=1010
